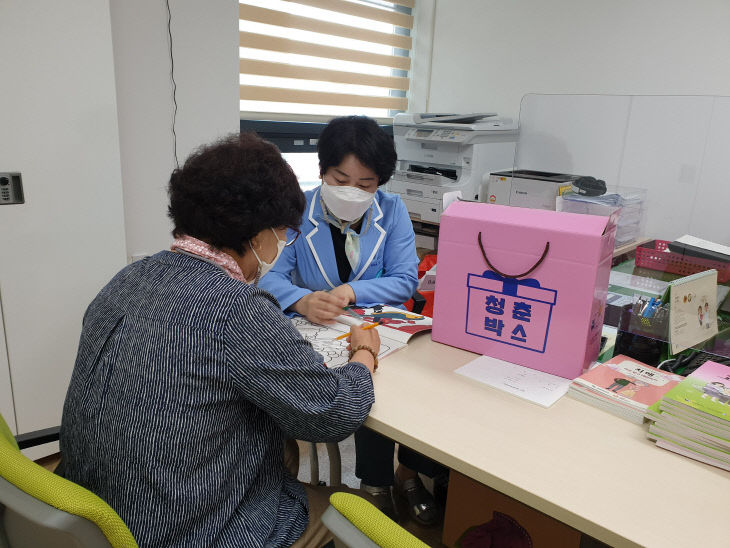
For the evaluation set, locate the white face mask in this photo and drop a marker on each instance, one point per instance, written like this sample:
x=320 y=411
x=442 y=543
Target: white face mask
x=347 y=203
x=265 y=267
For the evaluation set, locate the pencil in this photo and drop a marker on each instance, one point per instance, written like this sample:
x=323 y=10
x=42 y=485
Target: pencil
x=344 y=335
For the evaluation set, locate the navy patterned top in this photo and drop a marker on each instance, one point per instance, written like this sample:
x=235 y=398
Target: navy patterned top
x=186 y=384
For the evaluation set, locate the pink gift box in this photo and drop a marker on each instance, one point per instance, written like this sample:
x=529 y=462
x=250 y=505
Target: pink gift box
x=532 y=293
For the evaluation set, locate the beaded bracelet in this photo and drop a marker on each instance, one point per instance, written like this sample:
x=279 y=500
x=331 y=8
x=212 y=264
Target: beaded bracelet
x=369 y=349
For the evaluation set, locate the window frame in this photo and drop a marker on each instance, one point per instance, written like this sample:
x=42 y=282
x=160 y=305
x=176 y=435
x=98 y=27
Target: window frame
x=285 y=135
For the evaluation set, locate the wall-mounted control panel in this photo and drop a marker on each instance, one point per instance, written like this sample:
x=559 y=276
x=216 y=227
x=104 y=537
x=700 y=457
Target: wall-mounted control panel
x=11 y=188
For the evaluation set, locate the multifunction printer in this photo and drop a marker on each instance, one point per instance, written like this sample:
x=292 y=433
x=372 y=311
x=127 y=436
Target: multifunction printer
x=439 y=153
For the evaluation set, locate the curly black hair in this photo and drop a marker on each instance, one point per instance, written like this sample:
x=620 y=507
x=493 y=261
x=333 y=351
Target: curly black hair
x=232 y=189
x=361 y=136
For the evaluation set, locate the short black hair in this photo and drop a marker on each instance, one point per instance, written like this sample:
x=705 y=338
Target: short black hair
x=361 y=136
x=232 y=189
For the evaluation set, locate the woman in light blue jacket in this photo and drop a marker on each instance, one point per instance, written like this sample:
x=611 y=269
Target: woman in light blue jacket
x=357 y=246
x=385 y=271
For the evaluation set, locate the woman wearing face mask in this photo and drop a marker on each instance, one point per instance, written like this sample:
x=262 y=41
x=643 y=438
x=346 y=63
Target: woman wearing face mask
x=357 y=246
x=189 y=378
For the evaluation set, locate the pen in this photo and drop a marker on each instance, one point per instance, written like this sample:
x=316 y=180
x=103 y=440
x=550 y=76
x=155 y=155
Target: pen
x=344 y=335
x=648 y=310
x=352 y=313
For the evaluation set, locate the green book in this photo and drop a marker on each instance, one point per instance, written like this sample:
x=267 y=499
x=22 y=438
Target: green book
x=693 y=418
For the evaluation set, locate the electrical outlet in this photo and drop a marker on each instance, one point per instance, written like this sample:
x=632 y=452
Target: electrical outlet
x=11 y=188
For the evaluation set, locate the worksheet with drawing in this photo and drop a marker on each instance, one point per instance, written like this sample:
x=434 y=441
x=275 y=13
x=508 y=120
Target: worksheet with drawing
x=335 y=352
x=397 y=327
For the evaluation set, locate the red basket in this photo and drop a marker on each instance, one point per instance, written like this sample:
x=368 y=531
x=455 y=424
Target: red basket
x=426 y=263
x=656 y=256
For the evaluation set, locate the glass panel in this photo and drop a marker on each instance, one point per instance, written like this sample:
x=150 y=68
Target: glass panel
x=670 y=154
x=673 y=147
x=306 y=168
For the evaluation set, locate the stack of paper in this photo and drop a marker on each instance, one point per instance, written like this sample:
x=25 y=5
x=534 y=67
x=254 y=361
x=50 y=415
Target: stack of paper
x=623 y=386
x=630 y=201
x=693 y=418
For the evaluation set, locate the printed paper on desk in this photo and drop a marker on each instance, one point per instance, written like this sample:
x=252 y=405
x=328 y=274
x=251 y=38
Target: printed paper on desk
x=541 y=388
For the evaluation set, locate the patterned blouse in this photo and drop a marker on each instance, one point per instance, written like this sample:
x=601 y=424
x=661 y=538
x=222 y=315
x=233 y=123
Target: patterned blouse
x=186 y=384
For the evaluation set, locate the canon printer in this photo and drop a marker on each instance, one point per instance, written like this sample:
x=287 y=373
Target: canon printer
x=526 y=188
x=439 y=153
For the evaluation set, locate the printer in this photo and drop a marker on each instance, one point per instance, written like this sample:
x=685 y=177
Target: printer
x=525 y=188
x=439 y=153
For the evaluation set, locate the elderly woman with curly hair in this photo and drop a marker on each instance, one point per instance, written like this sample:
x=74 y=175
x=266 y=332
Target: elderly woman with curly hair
x=189 y=378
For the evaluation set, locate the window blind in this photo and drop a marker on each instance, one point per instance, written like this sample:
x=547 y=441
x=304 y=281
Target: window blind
x=314 y=59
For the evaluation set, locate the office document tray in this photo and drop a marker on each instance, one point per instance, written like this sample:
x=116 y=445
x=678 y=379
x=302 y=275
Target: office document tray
x=655 y=255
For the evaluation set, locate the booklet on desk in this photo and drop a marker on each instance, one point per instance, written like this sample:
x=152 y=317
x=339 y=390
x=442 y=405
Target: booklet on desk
x=623 y=386
x=396 y=328
x=693 y=418
x=692 y=310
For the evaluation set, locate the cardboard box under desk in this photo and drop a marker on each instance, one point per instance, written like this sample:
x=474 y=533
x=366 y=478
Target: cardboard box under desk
x=471 y=503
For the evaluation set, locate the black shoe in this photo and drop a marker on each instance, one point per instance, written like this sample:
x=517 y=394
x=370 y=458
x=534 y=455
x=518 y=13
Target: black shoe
x=382 y=499
x=421 y=505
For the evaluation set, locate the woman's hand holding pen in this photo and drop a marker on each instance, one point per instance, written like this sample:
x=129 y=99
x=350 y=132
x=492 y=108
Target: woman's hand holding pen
x=367 y=341
x=321 y=307
x=344 y=291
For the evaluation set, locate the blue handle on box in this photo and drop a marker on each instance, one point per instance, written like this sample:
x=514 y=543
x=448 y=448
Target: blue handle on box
x=510 y=284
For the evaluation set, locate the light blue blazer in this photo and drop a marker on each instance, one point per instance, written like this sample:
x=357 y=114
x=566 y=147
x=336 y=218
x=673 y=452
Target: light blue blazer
x=386 y=274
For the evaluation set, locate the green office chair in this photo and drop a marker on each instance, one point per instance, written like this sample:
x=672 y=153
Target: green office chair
x=39 y=508
x=356 y=523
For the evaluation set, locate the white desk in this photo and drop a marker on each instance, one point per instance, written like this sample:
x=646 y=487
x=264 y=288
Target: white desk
x=593 y=471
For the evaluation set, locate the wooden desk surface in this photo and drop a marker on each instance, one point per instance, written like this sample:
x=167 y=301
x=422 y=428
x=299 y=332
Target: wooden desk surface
x=587 y=468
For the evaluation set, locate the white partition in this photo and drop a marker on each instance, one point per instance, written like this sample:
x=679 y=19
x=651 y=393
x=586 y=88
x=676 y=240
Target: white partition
x=663 y=153
x=582 y=134
x=710 y=208
x=673 y=146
